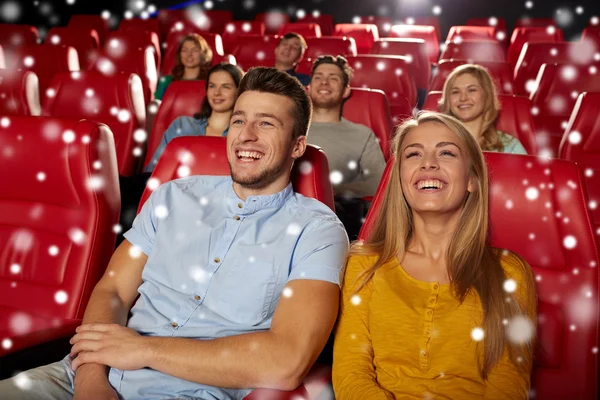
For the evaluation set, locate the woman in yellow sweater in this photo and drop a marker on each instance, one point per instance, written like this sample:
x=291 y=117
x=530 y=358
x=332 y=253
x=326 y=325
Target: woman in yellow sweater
x=429 y=309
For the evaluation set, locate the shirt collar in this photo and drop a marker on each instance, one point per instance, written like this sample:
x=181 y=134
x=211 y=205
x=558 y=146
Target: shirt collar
x=253 y=204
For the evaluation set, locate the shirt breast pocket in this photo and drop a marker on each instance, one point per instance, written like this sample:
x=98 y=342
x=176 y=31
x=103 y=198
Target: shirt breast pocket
x=246 y=294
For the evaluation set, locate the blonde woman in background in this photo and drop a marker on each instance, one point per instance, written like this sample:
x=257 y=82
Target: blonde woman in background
x=424 y=309
x=470 y=96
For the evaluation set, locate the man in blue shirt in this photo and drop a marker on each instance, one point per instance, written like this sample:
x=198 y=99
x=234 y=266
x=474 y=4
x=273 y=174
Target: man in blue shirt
x=288 y=54
x=238 y=277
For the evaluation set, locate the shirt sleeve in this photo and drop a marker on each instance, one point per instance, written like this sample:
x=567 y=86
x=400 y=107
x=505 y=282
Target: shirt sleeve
x=169 y=134
x=321 y=251
x=510 y=380
x=372 y=165
x=143 y=230
x=354 y=375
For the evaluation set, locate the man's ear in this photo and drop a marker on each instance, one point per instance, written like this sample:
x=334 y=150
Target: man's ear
x=347 y=92
x=299 y=147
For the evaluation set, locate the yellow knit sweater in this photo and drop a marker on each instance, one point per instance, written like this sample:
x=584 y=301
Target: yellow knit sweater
x=401 y=338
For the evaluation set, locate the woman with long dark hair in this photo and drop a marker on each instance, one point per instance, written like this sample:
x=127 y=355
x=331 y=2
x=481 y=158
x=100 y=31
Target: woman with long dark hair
x=213 y=119
x=429 y=308
x=193 y=59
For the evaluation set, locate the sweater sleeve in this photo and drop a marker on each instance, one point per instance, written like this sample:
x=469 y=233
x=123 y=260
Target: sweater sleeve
x=510 y=380
x=372 y=165
x=354 y=375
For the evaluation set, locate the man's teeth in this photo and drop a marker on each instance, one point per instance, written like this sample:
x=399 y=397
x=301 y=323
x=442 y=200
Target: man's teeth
x=429 y=184
x=249 y=154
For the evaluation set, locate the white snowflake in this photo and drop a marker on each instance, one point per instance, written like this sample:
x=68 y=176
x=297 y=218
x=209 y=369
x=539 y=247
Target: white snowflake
x=336 y=177
x=15 y=268
x=509 y=204
x=77 y=236
x=305 y=167
x=593 y=204
x=41 y=176
x=153 y=184
x=20 y=323
x=128 y=14
x=117 y=228
x=564 y=17
x=520 y=330
x=95 y=182
x=198 y=274
x=22 y=381
x=293 y=229
x=568 y=73
x=135 y=252
x=532 y=193
x=531 y=236
x=557 y=104
x=579 y=10
x=510 y=286
x=123 y=116
x=300 y=13
x=355 y=300
x=529 y=4
x=531 y=86
x=477 y=334
x=183 y=171
x=7 y=344
x=5 y=122
x=287 y=292
x=140 y=135
x=105 y=14
x=356 y=19
x=53 y=250
x=61 y=297
x=570 y=242
x=260 y=55
x=10 y=11
x=436 y=10
x=249 y=4
x=161 y=211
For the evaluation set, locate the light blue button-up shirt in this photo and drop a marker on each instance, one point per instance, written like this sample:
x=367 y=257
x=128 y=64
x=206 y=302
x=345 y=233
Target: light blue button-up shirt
x=217 y=266
x=181 y=126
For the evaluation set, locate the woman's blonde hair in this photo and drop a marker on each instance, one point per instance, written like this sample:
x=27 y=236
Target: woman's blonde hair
x=205 y=58
x=491 y=107
x=471 y=262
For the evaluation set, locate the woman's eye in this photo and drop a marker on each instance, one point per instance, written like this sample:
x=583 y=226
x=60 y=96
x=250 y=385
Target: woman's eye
x=413 y=154
x=447 y=153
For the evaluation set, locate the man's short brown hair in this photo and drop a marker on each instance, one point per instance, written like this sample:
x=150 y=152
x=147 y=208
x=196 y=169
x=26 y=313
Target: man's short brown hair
x=291 y=35
x=339 y=61
x=270 y=80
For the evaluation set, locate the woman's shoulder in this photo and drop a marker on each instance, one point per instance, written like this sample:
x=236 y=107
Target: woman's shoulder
x=515 y=267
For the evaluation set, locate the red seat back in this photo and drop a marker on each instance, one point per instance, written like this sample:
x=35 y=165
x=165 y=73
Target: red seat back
x=19 y=93
x=333 y=45
x=552 y=232
x=116 y=101
x=514 y=118
x=581 y=144
x=141 y=25
x=135 y=39
x=96 y=22
x=474 y=50
x=45 y=61
x=462 y=33
x=365 y=35
x=255 y=50
x=234 y=29
x=218 y=19
x=523 y=35
x=84 y=40
x=13 y=36
x=533 y=22
x=426 y=21
x=500 y=72
x=498 y=23
x=305 y=30
x=425 y=32
x=207 y=155
x=273 y=20
x=370 y=107
x=393 y=75
x=325 y=22
x=59 y=201
x=415 y=50
x=384 y=24
x=182 y=98
x=534 y=55
x=558 y=86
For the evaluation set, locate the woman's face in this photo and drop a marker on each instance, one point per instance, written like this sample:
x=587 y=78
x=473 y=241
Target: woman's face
x=191 y=54
x=221 y=91
x=434 y=169
x=467 y=100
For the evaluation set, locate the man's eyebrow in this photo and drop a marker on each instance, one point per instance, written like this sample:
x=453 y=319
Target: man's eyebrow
x=238 y=112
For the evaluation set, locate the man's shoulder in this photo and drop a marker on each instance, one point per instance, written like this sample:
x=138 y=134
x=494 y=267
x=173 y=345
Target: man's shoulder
x=197 y=185
x=312 y=211
x=359 y=128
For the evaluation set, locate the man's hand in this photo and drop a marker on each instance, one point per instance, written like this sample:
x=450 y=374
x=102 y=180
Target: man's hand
x=112 y=345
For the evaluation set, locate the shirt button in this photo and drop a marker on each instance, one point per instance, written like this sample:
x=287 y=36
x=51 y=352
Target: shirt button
x=432 y=301
x=197 y=297
x=429 y=312
x=237 y=217
x=217 y=260
x=435 y=286
x=427 y=331
x=174 y=324
x=423 y=353
x=240 y=205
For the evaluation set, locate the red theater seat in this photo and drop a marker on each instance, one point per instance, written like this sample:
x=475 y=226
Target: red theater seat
x=558 y=86
x=534 y=55
x=414 y=50
x=370 y=107
x=273 y=20
x=523 y=35
x=514 y=118
x=207 y=155
x=426 y=21
x=181 y=98
x=427 y=33
x=126 y=57
x=365 y=35
x=539 y=22
x=218 y=19
x=474 y=50
x=305 y=30
x=384 y=24
x=19 y=93
x=45 y=61
x=499 y=23
x=333 y=45
x=134 y=39
x=500 y=72
x=116 y=101
x=59 y=201
x=84 y=40
x=13 y=36
x=141 y=25
x=462 y=33
x=552 y=232
x=234 y=29
x=255 y=50
x=96 y=22
x=325 y=21
x=393 y=75
x=167 y=18
x=581 y=144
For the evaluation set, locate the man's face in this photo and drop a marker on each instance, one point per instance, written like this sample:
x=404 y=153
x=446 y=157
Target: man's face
x=327 y=88
x=288 y=51
x=260 y=147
